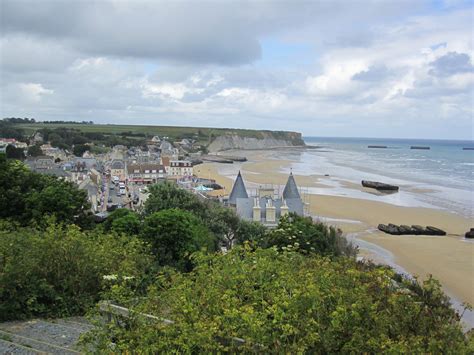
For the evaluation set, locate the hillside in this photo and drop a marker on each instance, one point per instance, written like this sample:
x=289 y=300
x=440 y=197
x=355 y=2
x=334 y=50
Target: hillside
x=203 y=135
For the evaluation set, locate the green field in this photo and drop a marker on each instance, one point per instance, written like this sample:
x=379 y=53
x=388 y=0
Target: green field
x=202 y=134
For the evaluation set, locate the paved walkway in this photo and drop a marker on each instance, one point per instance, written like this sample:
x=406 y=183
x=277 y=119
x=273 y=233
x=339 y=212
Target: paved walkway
x=58 y=336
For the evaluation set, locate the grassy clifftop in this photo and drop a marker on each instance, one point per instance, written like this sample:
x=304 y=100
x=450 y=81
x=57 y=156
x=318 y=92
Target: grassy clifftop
x=204 y=135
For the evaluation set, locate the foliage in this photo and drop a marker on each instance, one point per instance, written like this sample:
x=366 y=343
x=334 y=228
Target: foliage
x=59 y=271
x=229 y=228
x=285 y=302
x=301 y=233
x=80 y=149
x=16 y=120
x=174 y=234
x=28 y=197
x=34 y=150
x=167 y=195
x=123 y=221
x=14 y=153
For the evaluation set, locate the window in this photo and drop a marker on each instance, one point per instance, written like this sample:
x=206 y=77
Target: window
x=147 y=171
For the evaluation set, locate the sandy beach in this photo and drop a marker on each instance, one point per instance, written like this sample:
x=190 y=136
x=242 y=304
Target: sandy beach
x=450 y=259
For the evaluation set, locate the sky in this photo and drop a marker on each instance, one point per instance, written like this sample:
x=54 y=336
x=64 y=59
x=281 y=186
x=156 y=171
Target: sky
x=324 y=68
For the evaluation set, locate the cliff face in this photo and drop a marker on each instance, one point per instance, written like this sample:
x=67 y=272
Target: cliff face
x=261 y=140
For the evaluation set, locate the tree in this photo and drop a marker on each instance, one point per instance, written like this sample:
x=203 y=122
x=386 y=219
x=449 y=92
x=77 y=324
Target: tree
x=174 y=234
x=167 y=195
x=62 y=200
x=80 y=149
x=14 y=153
x=302 y=234
x=28 y=197
x=123 y=221
x=34 y=150
x=229 y=228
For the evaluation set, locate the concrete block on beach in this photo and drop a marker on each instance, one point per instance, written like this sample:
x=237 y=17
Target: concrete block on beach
x=420 y=147
x=407 y=230
x=379 y=185
x=469 y=234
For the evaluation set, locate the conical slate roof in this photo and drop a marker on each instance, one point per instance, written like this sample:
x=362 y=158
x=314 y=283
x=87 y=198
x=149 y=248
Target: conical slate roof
x=238 y=190
x=291 y=190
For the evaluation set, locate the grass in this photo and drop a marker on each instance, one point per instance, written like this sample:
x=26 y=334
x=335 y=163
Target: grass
x=203 y=134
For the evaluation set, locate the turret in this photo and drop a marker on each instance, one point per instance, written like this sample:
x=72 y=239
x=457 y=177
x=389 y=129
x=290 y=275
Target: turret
x=238 y=190
x=291 y=190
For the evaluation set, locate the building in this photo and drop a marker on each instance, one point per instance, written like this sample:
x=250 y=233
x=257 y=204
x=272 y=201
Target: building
x=265 y=206
x=180 y=168
x=46 y=165
x=167 y=150
x=41 y=163
x=54 y=152
x=117 y=168
x=5 y=142
x=148 y=173
x=155 y=140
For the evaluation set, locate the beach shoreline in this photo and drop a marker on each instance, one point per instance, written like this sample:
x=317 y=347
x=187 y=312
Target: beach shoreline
x=450 y=258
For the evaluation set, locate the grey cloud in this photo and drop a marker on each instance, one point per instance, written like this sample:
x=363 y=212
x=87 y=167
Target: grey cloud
x=21 y=53
x=224 y=33
x=450 y=64
x=374 y=73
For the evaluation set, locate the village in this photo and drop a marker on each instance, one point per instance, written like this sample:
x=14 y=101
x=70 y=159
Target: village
x=118 y=178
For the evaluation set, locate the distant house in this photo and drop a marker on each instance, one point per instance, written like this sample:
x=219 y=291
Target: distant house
x=180 y=168
x=21 y=145
x=117 y=168
x=146 y=173
x=46 y=165
x=92 y=193
x=95 y=176
x=165 y=161
x=167 y=149
x=54 y=152
x=155 y=140
x=42 y=162
x=265 y=207
x=4 y=142
x=37 y=138
x=86 y=164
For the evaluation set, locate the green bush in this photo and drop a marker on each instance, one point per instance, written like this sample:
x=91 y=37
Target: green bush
x=28 y=197
x=286 y=302
x=123 y=221
x=59 y=271
x=302 y=234
x=174 y=235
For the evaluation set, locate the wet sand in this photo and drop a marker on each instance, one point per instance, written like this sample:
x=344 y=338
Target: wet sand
x=450 y=259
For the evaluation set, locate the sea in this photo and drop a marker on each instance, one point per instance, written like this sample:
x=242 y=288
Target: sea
x=441 y=177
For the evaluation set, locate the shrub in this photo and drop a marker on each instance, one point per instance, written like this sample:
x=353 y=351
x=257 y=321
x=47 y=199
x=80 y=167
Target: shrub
x=59 y=271
x=304 y=235
x=123 y=221
x=174 y=234
x=285 y=302
x=28 y=197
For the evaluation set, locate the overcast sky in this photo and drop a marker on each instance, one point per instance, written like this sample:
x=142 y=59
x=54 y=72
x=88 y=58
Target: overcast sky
x=324 y=68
